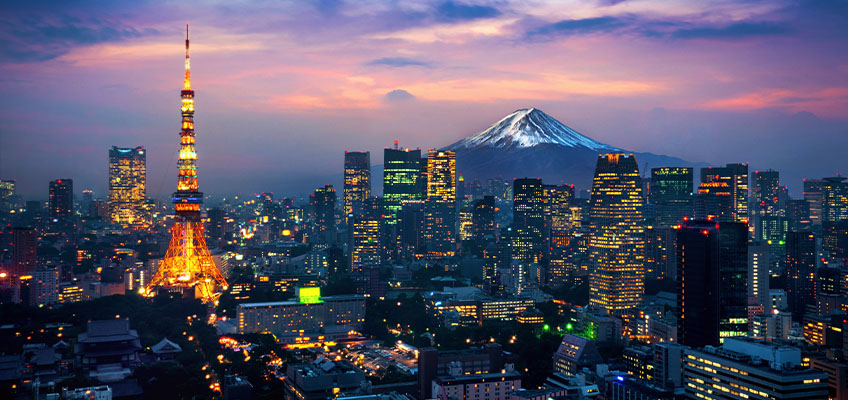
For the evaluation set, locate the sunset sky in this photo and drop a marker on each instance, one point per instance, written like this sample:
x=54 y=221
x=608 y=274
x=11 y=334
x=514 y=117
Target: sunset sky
x=283 y=88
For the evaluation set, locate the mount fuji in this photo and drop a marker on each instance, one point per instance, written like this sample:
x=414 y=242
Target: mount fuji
x=530 y=143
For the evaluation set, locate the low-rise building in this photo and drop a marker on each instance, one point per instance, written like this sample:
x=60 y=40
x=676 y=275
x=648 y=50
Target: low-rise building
x=749 y=369
x=491 y=386
x=321 y=379
x=574 y=353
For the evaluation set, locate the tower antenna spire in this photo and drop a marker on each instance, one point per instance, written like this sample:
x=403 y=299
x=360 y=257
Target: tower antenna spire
x=187 y=85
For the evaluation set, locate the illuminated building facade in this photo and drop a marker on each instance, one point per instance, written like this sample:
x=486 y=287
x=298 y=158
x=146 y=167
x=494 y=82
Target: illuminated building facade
x=127 y=186
x=44 y=286
x=800 y=271
x=440 y=206
x=365 y=249
x=402 y=180
x=766 y=192
x=617 y=235
x=528 y=219
x=330 y=314
x=747 y=369
x=736 y=178
x=7 y=194
x=492 y=386
x=714 y=201
x=357 y=181
x=558 y=232
x=671 y=195
x=834 y=200
x=712 y=292
x=814 y=196
x=187 y=264
x=61 y=204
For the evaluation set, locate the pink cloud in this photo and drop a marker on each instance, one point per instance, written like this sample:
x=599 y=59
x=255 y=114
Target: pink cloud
x=830 y=102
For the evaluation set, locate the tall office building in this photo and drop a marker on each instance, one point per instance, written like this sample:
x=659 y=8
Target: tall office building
x=7 y=194
x=671 y=195
x=798 y=214
x=357 y=181
x=61 y=200
x=835 y=239
x=814 y=195
x=24 y=245
x=483 y=223
x=736 y=178
x=834 y=200
x=800 y=271
x=766 y=193
x=402 y=180
x=365 y=247
x=714 y=201
x=759 y=257
x=712 y=271
x=127 y=186
x=323 y=207
x=440 y=206
x=558 y=232
x=617 y=235
x=528 y=219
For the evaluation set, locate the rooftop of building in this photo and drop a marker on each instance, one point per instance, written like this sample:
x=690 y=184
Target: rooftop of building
x=759 y=354
x=478 y=378
x=325 y=299
x=110 y=330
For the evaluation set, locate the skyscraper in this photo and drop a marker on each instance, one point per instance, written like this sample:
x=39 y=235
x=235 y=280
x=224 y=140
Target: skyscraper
x=813 y=194
x=558 y=232
x=322 y=205
x=712 y=272
x=834 y=200
x=736 y=178
x=483 y=223
x=800 y=271
x=766 y=192
x=617 y=235
x=61 y=200
x=671 y=194
x=24 y=245
x=402 y=180
x=187 y=265
x=528 y=219
x=440 y=206
x=127 y=186
x=357 y=181
x=7 y=194
x=365 y=248
x=714 y=201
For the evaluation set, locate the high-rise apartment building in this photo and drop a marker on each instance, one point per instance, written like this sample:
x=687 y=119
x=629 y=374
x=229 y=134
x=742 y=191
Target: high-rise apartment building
x=800 y=271
x=127 y=186
x=528 y=219
x=440 y=206
x=61 y=202
x=671 y=194
x=617 y=235
x=712 y=272
x=357 y=181
x=736 y=178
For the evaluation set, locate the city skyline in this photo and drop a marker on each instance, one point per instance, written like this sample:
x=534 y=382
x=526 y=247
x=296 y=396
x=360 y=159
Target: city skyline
x=680 y=81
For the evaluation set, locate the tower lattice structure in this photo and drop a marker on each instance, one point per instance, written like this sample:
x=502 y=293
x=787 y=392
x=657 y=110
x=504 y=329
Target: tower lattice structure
x=188 y=265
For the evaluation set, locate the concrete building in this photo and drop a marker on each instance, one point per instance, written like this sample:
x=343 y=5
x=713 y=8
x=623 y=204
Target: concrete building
x=749 y=369
x=326 y=316
x=574 y=353
x=491 y=386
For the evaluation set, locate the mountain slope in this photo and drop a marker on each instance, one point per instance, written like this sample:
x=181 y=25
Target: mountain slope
x=530 y=143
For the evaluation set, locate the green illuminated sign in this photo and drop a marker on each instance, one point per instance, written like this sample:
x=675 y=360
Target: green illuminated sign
x=309 y=295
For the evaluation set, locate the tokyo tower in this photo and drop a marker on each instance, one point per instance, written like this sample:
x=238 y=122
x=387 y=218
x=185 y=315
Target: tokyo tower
x=187 y=265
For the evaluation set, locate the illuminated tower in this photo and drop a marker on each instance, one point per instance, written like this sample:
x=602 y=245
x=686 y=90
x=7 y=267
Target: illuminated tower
x=187 y=264
x=617 y=235
x=127 y=186
x=357 y=181
x=528 y=219
x=440 y=206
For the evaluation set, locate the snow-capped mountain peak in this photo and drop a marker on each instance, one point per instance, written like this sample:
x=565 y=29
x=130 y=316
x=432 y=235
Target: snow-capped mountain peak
x=527 y=128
